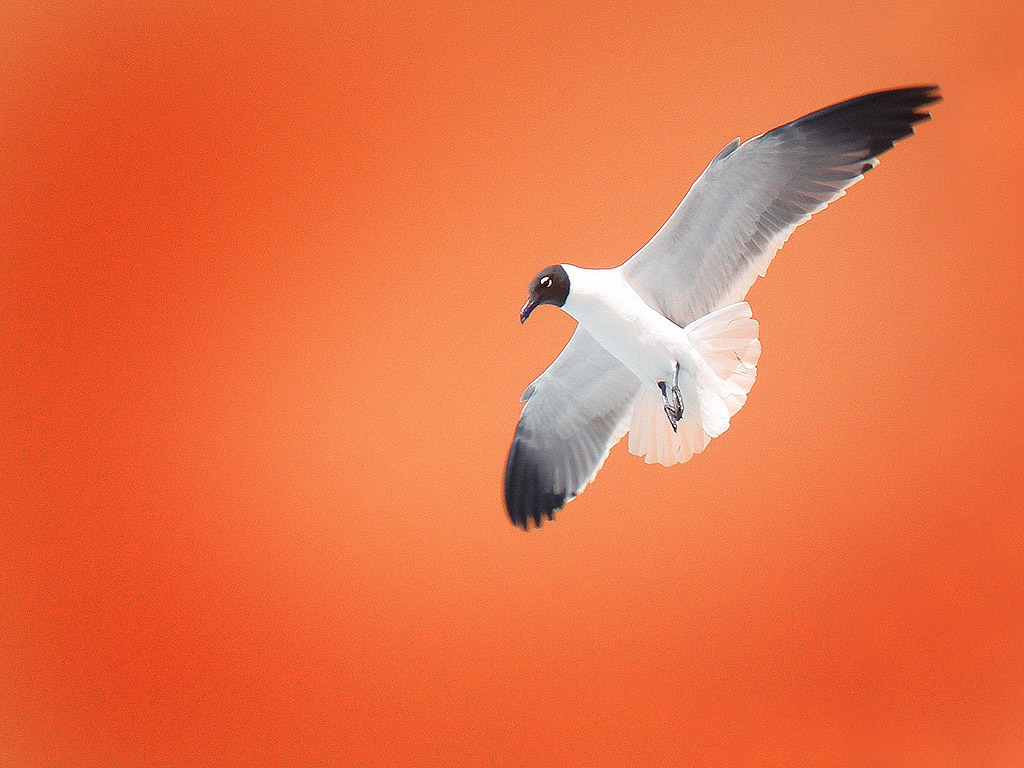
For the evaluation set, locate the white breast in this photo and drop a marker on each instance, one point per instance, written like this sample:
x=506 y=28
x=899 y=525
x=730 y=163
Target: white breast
x=646 y=342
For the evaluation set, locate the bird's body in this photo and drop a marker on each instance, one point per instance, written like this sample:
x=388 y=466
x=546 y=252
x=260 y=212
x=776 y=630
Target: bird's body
x=666 y=348
x=604 y=303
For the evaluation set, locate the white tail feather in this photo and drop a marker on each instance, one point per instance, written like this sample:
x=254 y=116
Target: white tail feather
x=727 y=351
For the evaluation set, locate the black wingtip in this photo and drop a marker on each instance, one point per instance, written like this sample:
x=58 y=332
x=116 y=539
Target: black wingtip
x=525 y=499
x=874 y=122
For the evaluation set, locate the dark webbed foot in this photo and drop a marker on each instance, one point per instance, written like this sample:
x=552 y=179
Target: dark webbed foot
x=673 y=409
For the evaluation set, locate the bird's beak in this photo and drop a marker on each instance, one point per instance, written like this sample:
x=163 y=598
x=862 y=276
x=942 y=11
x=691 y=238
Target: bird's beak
x=528 y=307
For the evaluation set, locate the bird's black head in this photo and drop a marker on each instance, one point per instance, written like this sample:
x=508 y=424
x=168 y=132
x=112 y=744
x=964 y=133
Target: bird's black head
x=550 y=286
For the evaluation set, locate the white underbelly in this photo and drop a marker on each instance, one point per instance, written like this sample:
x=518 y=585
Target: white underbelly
x=651 y=355
x=642 y=339
x=647 y=343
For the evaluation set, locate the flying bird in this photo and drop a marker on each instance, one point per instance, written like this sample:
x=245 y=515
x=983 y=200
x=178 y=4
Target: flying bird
x=665 y=348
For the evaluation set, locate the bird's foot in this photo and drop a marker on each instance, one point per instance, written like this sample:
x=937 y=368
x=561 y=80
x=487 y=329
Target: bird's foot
x=673 y=408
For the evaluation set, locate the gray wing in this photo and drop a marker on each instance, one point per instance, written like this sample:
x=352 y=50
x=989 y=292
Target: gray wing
x=574 y=413
x=753 y=195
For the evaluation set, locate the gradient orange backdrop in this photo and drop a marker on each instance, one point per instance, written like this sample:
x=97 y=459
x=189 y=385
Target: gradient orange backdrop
x=260 y=361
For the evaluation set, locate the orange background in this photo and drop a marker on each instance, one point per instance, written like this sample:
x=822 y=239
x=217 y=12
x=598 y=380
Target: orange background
x=261 y=358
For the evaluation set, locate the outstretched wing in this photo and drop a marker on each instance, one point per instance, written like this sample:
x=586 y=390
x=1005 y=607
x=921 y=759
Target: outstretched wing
x=574 y=413
x=753 y=195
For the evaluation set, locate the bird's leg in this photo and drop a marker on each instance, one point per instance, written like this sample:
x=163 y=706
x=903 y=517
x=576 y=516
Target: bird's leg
x=675 y=391
x=673 y=410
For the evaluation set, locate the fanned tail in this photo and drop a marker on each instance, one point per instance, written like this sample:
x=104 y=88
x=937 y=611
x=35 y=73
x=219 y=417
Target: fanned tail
x=727 y=352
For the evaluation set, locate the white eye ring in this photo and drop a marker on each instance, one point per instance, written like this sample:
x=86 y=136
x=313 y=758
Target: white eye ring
x=545 y=282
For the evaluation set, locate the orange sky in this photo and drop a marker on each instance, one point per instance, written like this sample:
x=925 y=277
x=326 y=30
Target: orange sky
x=260 y=361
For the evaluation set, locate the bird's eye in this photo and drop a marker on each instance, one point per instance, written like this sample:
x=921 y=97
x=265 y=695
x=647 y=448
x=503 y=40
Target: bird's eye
x=545 y=282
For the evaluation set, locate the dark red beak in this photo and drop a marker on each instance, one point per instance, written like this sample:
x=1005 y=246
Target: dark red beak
x=528 y=307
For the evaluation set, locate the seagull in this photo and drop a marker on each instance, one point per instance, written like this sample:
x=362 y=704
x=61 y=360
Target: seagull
x=665 y=348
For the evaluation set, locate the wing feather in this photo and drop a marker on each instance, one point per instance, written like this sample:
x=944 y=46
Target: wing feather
x=574 y=413
x=753 y=195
